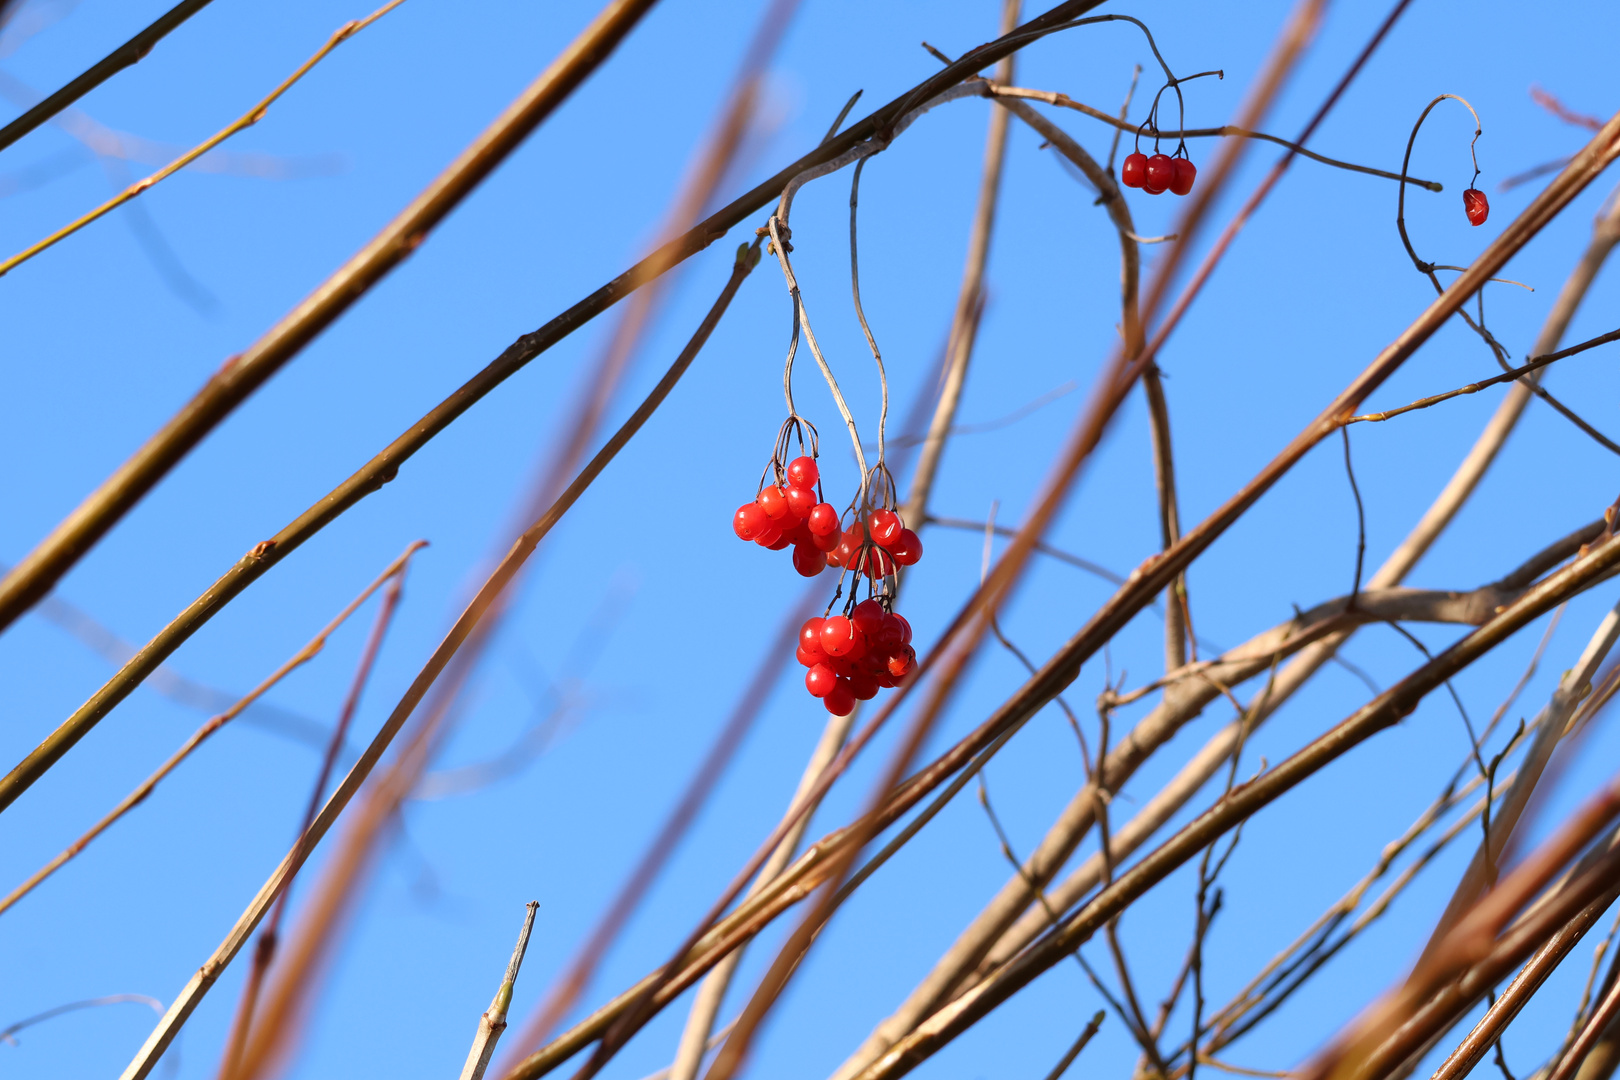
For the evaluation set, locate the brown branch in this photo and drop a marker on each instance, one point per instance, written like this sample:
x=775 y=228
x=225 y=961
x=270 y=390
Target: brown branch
x=1079 y=1044
x=1507 y=376
x=1382 y=712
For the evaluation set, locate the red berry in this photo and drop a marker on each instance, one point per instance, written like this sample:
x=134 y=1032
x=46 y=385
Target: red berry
x=837 y=636
x=810 y=634
x=842 y=664
x=1133 y=171
x=905 y=629
x=848 y=545
x=892 y=635
x=885 y=680
x=901 y=663
x=782 y=540
x=802 y=472
x=749 y=521
x=907 y=549
x=868 y=620
x=864 y=687
x=773 y=500
x=820 y=680
x=807 y=658
x=840 y=702
x=770 y=534
x=807 y=560
x=885 y=526
x=1476 y=206
x=824 y=520
x=826 y=544
x=800 y=500
x=1183 y=173
x=1160 y=172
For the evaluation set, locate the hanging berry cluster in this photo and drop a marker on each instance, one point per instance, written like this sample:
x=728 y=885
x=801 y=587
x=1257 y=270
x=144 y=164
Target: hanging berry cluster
x=852 y=656
x=790 y=511
x=1162 y=172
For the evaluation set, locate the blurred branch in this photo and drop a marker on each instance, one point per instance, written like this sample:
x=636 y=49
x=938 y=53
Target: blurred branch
x=242 y=123
x=9 y=1032
x=136 y=797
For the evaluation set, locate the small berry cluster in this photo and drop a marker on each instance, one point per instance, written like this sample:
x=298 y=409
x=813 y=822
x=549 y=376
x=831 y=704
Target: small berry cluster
x=852 y=656
x=792 y=513
x=891 y=543
x=1159 y=173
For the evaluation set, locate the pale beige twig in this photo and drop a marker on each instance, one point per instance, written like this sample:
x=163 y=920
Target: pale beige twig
x=493 y=1020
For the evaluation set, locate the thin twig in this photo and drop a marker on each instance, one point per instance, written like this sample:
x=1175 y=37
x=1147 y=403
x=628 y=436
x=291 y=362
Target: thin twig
x=493 y=1021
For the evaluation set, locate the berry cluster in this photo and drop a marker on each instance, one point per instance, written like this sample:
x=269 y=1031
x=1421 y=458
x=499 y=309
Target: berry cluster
x=792 y=513
x=1159 y=173
x=1476 y=206
x=890 y=543
x=851 y=656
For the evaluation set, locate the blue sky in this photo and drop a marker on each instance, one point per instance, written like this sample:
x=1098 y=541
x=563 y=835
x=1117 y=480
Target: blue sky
x=108 y=333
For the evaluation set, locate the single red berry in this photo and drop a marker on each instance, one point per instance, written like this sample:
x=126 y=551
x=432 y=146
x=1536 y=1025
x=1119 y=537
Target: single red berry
x=1476 y=206
x=905 y=629
x=848 y=545
x=875 y=661
x=884 y=526
x=907 y=549
x=837 y=636
x=820 y=680
x=1183 y=173
x=826 y=544
x=807 y=560
x=901 y=663
x=782 y=540
x=893 y=634
x=770 y=534
x=824 y=520
x=864 y=687
x=749 y=521
x=868 y=619
x=842 y=664
x=1160 y=172
x=859 y=646
x=839 y=701
x=807 y=658
x=802 y=472
x=1133 y=171
x=885 y=680
x=801 y=501
x=810 y=633
x=773 y=500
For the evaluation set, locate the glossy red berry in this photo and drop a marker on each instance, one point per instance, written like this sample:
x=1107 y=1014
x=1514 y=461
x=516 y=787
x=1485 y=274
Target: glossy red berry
x=770 y=534
x=807 y=560
x=907 y=548
x=1160 y=172
x=1476 y=206
x=801 y=501
x=782 y=540
x=885 y=526
x=1133 y=171
x=824 y=520
x=849 y=544
x=905 y=629
x=837 y=636
x=820 y=680
x=1183 y=173
x=840 y=702
x=810 y=634
x=807 y=658
x=868 y=620
x=901 y=663
x=749 y=521
x=773 y=500
x=892 y=635
x=802 y=472
x=826 y=544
